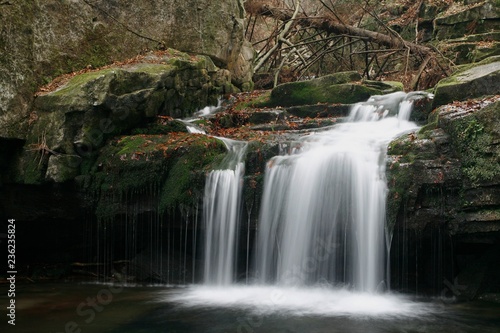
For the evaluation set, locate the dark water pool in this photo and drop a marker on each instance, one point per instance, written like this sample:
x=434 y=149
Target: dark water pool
x=88 y=308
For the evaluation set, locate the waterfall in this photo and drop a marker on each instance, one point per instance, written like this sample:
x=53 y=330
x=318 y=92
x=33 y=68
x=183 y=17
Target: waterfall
x=321 y=245
x=221 y=215
x=322 y=219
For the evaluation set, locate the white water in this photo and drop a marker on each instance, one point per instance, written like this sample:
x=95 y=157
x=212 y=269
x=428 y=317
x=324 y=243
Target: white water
x=312 y=301
x=221 y=215
x=208 y=110
x=321 y=247
x=195 y=130
x=323 y=212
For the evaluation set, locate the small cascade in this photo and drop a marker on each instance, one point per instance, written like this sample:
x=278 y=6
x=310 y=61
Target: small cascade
x=208 y=110
x=194 y=130
x=323 y=211
x=221 y=215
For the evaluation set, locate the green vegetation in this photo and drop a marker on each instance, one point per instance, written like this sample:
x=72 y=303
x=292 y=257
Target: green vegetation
x=175 y=164
x=475 y=138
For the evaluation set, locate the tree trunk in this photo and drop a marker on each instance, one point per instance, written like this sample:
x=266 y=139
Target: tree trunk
x=329 y=25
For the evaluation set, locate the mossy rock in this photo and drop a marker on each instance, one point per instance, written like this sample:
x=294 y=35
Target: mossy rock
x=470 y=81
x=169 y=126
x=471 y=48
x=81 y=115
x=475 y=136
x=386 y=87
x=174 y=165
x=312 y=92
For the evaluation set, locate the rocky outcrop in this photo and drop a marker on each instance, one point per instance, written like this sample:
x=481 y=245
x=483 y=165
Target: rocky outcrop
x=470 y=81
x=472 y=48
x=39 y=41
x=467 y=18
x=463 y=31
x=123 y=177
x=70 y=124
x=444 y=186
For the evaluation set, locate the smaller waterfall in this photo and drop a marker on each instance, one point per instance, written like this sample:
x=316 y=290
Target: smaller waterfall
x=221 y=215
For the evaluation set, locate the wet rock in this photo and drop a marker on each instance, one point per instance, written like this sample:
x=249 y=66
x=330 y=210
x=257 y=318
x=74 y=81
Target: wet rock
x=140 y=173
x=265 y=116
x=444 y=201
x=453 y=168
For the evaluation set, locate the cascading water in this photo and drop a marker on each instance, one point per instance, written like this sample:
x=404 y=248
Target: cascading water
x=321 y=241
x=323 y=210
x=221 y=215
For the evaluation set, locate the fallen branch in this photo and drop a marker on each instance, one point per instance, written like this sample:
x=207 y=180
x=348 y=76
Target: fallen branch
x=331 y=26
x=280 y=37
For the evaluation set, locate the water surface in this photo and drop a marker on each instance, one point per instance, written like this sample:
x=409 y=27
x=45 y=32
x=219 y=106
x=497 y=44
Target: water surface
x=155 y=309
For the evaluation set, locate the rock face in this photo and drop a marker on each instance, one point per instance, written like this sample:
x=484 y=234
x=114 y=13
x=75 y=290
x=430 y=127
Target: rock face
x=444 y=186
x=465 y=31
x=444 y=190
x=472 y=17
x=41 y=40
x=470 y=81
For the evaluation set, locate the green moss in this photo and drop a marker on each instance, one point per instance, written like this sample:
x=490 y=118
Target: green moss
x=405 y=148
x=185 y=182
x=399 y=179
x=77 y=81
x=432 y=124
x=33 y=168
x=308 y=92
x=475 y=140
x=174 y=164
x=426 y=130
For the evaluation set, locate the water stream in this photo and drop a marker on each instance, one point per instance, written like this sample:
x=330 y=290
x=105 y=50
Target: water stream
x=321 y=245
x=323 y=210
x=221 y=215
x=320 y=261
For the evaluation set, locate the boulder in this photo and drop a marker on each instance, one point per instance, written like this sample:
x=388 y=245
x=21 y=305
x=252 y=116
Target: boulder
x=470 y=81
x=71 y=123
x=343 y=87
